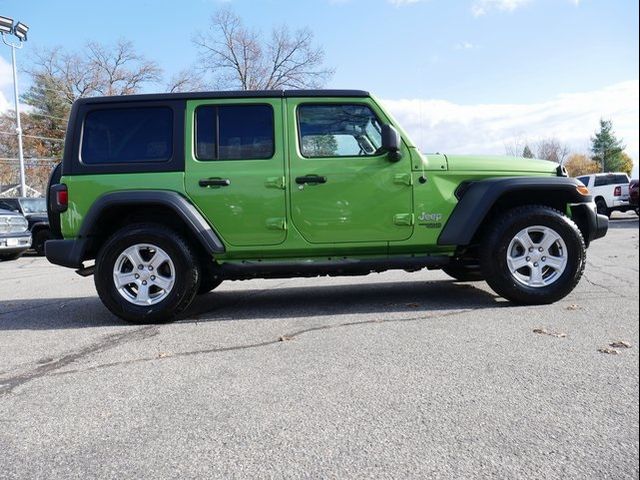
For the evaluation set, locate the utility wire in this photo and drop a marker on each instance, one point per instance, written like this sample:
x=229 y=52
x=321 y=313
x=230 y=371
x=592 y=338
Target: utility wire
x=50 y=139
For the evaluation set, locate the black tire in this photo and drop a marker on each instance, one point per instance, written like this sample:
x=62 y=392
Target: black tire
x=493 y=255
x=602 y=208
x=39 y=238
x=6 y=257
x=210 y=280
x=464 y=272
x=187 y=273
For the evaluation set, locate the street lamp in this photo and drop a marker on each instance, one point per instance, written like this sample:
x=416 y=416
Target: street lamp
x=20 y=31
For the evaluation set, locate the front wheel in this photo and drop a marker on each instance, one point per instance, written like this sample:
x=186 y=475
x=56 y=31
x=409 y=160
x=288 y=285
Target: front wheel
x=5 y=257
x=39 y=239
x=146 y=273
x=533 y=255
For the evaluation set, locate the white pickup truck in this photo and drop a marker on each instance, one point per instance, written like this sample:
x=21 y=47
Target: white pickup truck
x=610 y=191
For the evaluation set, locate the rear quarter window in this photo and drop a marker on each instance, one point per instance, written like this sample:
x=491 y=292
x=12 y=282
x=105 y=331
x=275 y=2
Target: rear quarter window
x=127 y=135
x=584 y=180
x=622 y=179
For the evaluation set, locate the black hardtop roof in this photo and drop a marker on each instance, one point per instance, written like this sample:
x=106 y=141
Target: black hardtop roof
x=153 y=97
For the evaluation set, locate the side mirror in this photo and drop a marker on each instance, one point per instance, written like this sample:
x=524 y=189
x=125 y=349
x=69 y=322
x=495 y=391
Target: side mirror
x=391 y=142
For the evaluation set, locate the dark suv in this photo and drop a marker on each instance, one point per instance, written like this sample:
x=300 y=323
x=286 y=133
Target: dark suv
x=35 y=211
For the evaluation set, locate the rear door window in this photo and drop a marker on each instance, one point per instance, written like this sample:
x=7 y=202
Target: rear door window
x=234 y=132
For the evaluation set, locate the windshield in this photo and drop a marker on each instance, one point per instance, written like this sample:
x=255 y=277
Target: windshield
x=33 y=205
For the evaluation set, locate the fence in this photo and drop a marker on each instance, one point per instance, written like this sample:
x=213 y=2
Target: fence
x=37 y=171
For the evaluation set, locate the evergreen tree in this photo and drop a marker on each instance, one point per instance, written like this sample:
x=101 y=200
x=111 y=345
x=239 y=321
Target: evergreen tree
x=607 y=150
x=527 y=153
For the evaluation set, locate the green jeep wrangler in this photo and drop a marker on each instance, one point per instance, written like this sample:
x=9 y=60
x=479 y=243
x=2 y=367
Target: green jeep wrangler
x=171 y=194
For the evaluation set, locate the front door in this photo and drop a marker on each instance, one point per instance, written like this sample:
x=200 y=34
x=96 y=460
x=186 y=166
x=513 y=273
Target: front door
x=235 y=168
x=343 y=188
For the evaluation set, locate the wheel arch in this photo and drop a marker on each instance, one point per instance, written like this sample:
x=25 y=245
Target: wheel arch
x=117 y=209
x=481 y=201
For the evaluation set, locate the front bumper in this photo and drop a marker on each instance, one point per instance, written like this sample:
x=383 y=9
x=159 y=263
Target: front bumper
x=14 y=242
x=592 y=225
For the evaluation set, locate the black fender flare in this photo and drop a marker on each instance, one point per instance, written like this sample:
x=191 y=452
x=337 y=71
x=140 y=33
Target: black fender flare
x=477 y=199
x=39 y=226
x=173 y=200
x=72 y=252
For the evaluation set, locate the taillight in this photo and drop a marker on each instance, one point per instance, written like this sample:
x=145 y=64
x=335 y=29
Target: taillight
x=62 y=197
x=617 y=191
x=59 y=197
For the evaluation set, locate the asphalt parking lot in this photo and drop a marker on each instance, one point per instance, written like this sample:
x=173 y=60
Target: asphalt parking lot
x=393 y=375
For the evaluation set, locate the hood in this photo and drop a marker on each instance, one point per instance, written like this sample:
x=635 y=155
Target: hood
x=500 y=163
x=37 y=217
x=9 y=213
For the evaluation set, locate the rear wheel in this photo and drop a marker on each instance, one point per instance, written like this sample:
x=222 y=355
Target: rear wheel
x=533 y=255
x=146 y=273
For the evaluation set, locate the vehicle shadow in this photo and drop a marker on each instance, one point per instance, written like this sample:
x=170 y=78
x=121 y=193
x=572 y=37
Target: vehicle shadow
x=624 y=223
x=295 y=302
x=275 y=303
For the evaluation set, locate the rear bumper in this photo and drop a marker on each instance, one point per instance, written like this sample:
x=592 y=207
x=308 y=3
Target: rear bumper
x=67 y=253
x=623 y=202
x=592 y=225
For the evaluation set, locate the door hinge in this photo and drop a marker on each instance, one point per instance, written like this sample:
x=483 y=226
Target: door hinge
x=275 y=182
x=403 y=179
x=403 y=219
x=276 y=223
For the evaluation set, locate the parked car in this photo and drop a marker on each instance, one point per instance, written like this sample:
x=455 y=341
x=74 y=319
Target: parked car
x=35 y=211
x=610 y=191
x=165 y=196
x=15 y=238
x=633 y=195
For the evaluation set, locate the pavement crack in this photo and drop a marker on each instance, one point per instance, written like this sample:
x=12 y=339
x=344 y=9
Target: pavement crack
x=266 y=343
x=7 y=385
x=604 y=287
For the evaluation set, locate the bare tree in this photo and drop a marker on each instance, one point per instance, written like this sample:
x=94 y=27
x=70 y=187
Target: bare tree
x=516 y=147
x=239 y=57
x=553 y=150
x=185 y=81
x=98 y=70
x=120 y=70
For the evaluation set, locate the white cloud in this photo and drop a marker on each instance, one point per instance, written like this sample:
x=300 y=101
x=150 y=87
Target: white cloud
x=482 y=7
x=465 y=46
x=401 y=3
x=439 y=125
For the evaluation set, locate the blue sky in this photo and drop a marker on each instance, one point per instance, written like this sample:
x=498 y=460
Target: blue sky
x=443 y=66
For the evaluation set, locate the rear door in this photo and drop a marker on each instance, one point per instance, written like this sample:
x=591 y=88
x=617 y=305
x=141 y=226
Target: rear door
x=234 y=168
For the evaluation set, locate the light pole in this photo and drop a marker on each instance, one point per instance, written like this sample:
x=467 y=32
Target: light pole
x=20 y=31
